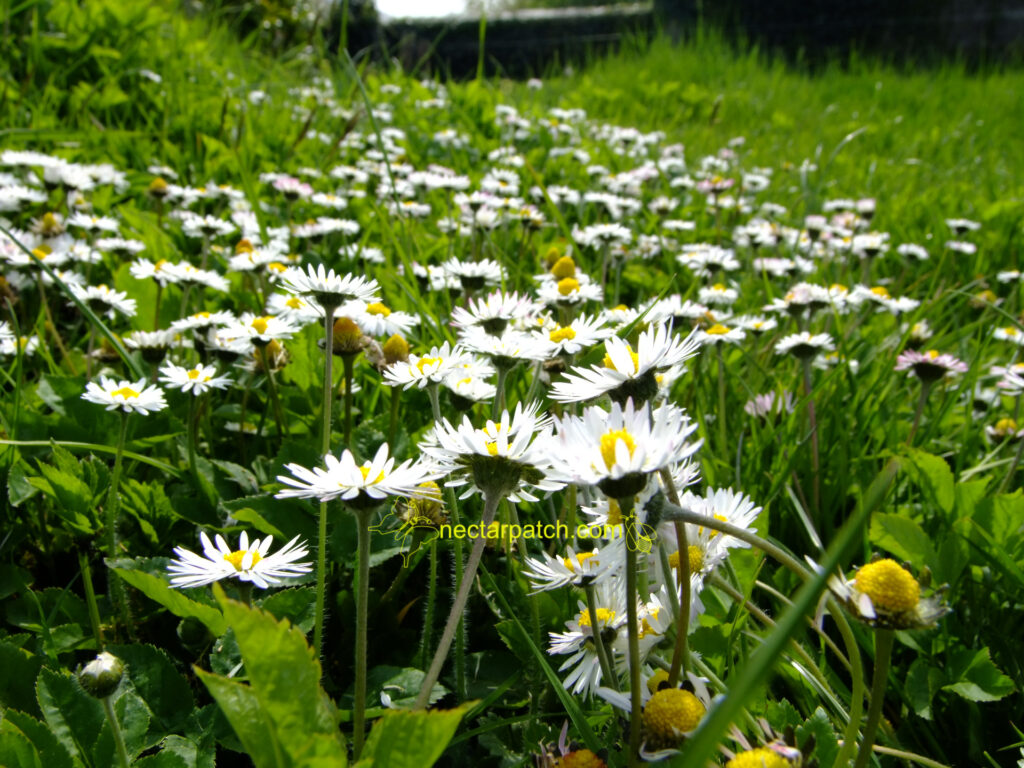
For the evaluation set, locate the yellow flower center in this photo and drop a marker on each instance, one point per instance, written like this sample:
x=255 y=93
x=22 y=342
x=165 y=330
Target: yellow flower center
x=236 y=558
x=762 y=757
x=880 y=290
x=1006 y=425
x=40 y=254
x=581 y=557
x=717 y=330
x=636 y=361
x=492 y=448
x=696 y=557
x=194 y=373
x=295 y=302
x=276 y=266
x=581 y=758
x=672 y=712
x=158 y=185
x=718 y=287
x=424 y=362
x=125 y=392
x=932 y=354
x=1010 y=330
x=838 y=288
x=377 y=308
x=567 y=285
x=563 y=268
x=365 y=472
x=889 y=585
x=610 y=439
x=260 y=324
x=605 y=616
x=614 y=512
x=202 y=315
x=244 y=246
x=562 y=334
x=395 y=348
x=660 y=676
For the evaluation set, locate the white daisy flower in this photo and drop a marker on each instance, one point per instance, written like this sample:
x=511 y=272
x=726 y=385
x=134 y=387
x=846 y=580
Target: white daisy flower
x=377 y=319
x=582 y=333
x=804 y=344
x=627 y=373
x=577 y=568
x=329 y=289
x=138 y=396
x=260 y=329
x=432 y=368
x=251 y=562
x=196 y=380
x=362 y=485
x=105 y=299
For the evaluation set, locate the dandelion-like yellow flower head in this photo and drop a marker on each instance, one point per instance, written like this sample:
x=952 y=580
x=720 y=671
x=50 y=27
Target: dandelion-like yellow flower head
x=889 y=585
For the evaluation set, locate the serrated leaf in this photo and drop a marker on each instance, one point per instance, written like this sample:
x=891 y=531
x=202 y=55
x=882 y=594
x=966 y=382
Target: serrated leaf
x=239 y=474
x=133 y=717
x=935 y=476
x=18 y=681
x=155 y=678
x=173 y=600
x=19 y=489
x=52 y=753
x=976 y=677
x=16 y=751
x=922 y=683
x=251 y=723
x=902 y=537
x=298 y=605
x=826 y=745
x=403 y=739
x=175 y=752
x=74 y=716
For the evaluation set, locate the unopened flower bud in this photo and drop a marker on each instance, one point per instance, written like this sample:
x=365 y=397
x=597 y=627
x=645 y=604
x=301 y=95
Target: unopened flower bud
x=101 y=676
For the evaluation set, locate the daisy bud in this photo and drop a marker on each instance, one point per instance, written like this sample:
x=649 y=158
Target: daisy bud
x=348 y=338
x=563 y=268
x=157 y=188
x=101 y=676
x=243 y=246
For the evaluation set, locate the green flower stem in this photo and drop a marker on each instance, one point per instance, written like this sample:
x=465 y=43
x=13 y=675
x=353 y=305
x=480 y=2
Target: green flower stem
x=681 y=652
x=455 y=617
x=396 y=401
x=115 y=730
x=116 y=586
x=325 y=447
x=812 y=422
x=602 y=650
x=720 y=417
x=460 y=635
x=51 y=326
x=156 y=307
x=926 y=388
x=428 y=617
x=348 y=362
x=879 y=682
x=190 y=437
x=363 y=517
x=499 y=392
x=1013 y=467
x=272 y=386
x=856 y=685
x=636 y=707
x=90 y=598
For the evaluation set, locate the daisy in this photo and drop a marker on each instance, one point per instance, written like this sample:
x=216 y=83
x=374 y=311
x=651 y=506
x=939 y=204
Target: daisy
x=510 y=457
x=719 y=334
x=359 y=485
x=626 y=373
x=250 y=562
x=582 y=333
x=569 y=291
x=203 y=320
x=583 y=664
x=884 y=594
x=576 y=568
x=474 y=275
x=196 y=380
x=1009 y=333
x=929 y=366
x=494 y=311
x=505 y=350
x=804 y=345
x=104 y=298
x=328 y=288
x=432 y=368
x=616 y=450
x=162 y=271
x=260 y=330
x=138 y=396
x=769 y=404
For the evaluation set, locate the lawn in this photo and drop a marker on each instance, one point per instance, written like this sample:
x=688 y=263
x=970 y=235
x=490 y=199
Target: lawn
x=341 y=405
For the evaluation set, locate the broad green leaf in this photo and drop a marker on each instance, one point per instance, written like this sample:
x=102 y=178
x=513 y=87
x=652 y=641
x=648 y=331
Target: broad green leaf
x=298 y=605
x=173 y=600
x=18 y=681
x=976 y=677
x=934 y=475
x=922 y=683
x=16 y=751
x=155 y=678
x=902 y=537
x=175 y=752
x=52 y=753
x=402 y=685
x=826 y=745
x=133 y=716
x=74 y=716
x=283 y=694
x=251 y=723
x=403 y=739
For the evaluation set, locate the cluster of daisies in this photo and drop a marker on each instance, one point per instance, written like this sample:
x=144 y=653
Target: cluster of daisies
x=526 y=284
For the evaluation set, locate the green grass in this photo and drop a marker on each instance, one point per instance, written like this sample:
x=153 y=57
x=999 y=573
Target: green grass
x=926 y=145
